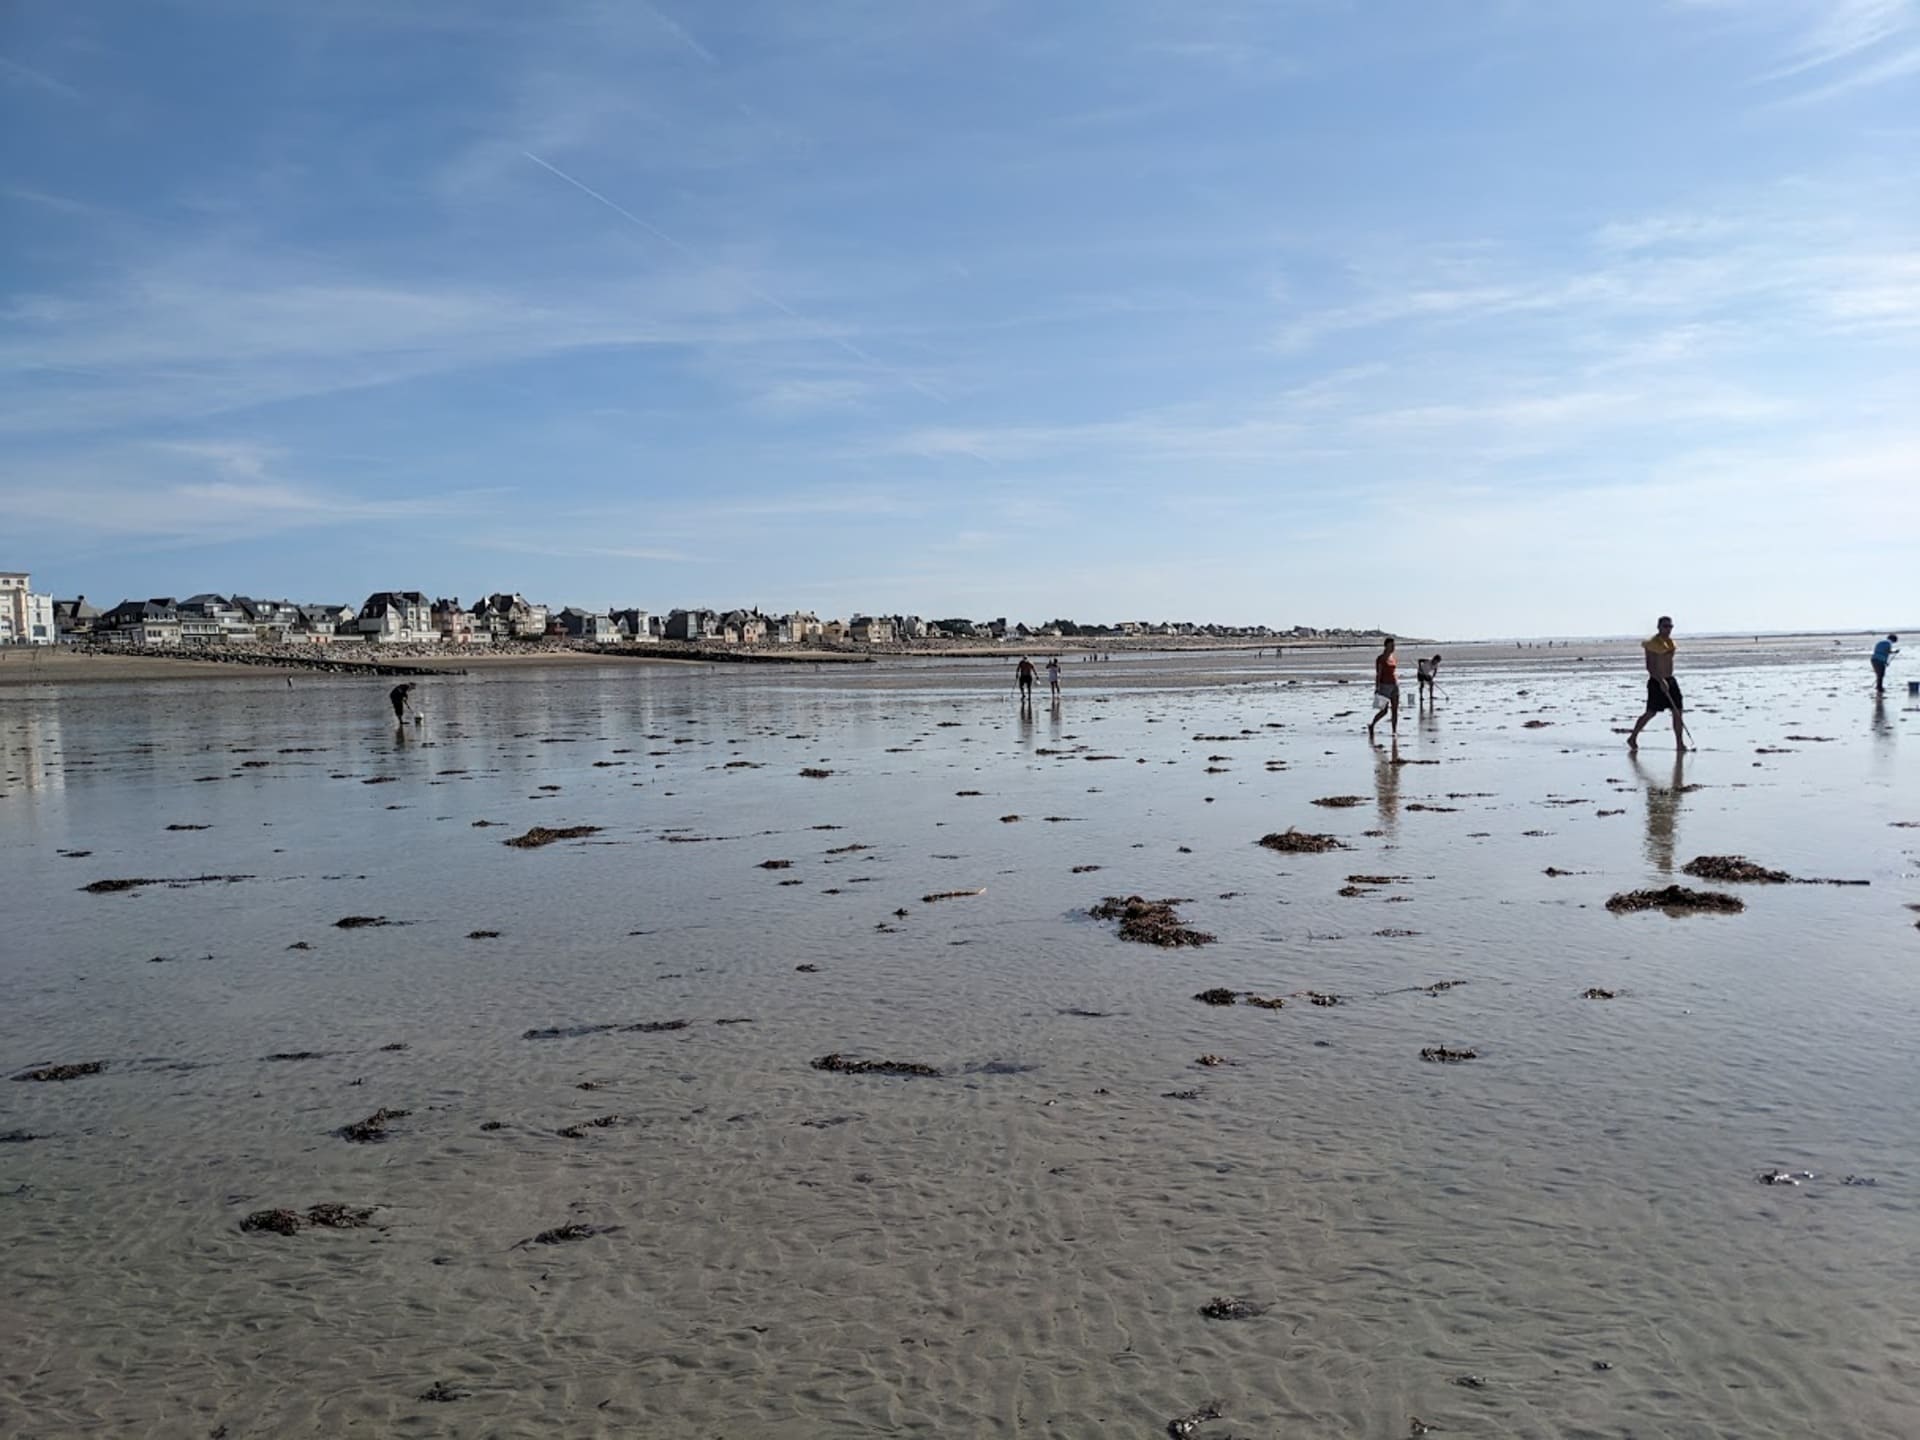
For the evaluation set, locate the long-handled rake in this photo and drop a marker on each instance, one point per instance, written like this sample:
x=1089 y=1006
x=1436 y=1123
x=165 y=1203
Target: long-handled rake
x=1679 y=711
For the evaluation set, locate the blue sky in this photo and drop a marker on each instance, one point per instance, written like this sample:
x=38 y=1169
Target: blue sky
x=1490 y=317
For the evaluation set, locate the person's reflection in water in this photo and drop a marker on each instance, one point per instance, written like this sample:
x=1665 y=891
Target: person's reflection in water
x=1663 y=811
x=1882 y=726
x=1386 y=785
x=1026 y=721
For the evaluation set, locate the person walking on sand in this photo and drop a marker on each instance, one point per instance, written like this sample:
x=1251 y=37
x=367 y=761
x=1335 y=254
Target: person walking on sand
x=399 y=697
x=1053 y=677
x=1426 y=672
x=1386 y=688
x=1663 y=691
x=1882 y=653
x=1023 y=673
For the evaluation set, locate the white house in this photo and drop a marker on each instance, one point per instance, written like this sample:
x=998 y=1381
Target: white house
x=397 y=617
x=214 y=618
x=25 y=618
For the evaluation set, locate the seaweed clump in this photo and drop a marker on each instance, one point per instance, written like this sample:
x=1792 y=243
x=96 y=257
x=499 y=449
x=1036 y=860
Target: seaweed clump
x=1150 y=922
x=64 y=1072
x=373 y=1128
x=1301 y=842
x=331 y=1215
x=1441 y=1055
x=540 y=835
x=1677 y=900
x=1226 y=1307
x=839 y=1064
x=1733 y=870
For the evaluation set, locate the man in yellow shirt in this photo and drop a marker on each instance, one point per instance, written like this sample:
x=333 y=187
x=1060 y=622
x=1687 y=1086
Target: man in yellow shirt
x=1663 y=691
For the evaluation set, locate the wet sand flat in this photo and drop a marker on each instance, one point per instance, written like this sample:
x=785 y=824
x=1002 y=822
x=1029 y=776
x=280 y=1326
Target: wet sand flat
x=614 y=1191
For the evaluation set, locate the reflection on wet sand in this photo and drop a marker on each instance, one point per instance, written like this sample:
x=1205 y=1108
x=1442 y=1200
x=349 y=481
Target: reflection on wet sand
x=1386 y=789
x=1663 y=810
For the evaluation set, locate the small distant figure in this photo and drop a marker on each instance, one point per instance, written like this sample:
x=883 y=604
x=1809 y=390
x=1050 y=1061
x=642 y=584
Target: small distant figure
x=1023 y=673
x=1053 y=677
x=1882 y=653
x=1386 y=688
x=1663 y=691
x=1427 y=671
x=401 y=696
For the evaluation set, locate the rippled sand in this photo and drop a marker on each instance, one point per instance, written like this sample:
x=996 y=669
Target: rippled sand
x=1021 y=1246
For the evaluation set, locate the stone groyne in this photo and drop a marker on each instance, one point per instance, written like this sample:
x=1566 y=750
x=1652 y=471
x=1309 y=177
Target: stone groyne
x=271 y=659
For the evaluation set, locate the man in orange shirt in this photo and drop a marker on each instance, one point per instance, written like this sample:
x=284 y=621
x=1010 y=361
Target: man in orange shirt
x=1386 y=688
x=1663 y=691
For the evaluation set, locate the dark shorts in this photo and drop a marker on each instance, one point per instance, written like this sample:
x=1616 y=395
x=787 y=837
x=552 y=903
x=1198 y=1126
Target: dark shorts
x=1663 y=695
x=1879 y=668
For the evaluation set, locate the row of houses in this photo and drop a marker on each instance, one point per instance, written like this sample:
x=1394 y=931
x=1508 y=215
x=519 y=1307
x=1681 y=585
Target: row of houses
x=409 y=617
x=385 y=617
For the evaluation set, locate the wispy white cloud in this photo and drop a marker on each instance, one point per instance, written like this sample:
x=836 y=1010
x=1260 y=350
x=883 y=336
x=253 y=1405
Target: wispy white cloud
x=200 y=336
x=26 y=77
x=1831 y=48
x=1844 y=30
x=203 y=492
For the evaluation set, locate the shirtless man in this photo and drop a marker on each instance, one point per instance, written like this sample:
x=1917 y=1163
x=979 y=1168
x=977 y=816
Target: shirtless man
x=1663 y=691
x=399 y=697
x=1023 y=673
x=1386 y=688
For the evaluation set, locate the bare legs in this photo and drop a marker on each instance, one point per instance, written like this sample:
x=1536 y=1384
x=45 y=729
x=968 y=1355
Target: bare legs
x=1679 y=736
x=1390 y=703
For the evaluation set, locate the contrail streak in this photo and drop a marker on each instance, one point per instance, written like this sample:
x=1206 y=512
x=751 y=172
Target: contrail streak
x=679 y=32
x=772 y=301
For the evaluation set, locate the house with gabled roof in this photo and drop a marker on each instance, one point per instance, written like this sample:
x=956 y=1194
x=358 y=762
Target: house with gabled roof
x=141 y=622
x=588 y=625
x=634 y=624
x=692 y=625
x=397 y=617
